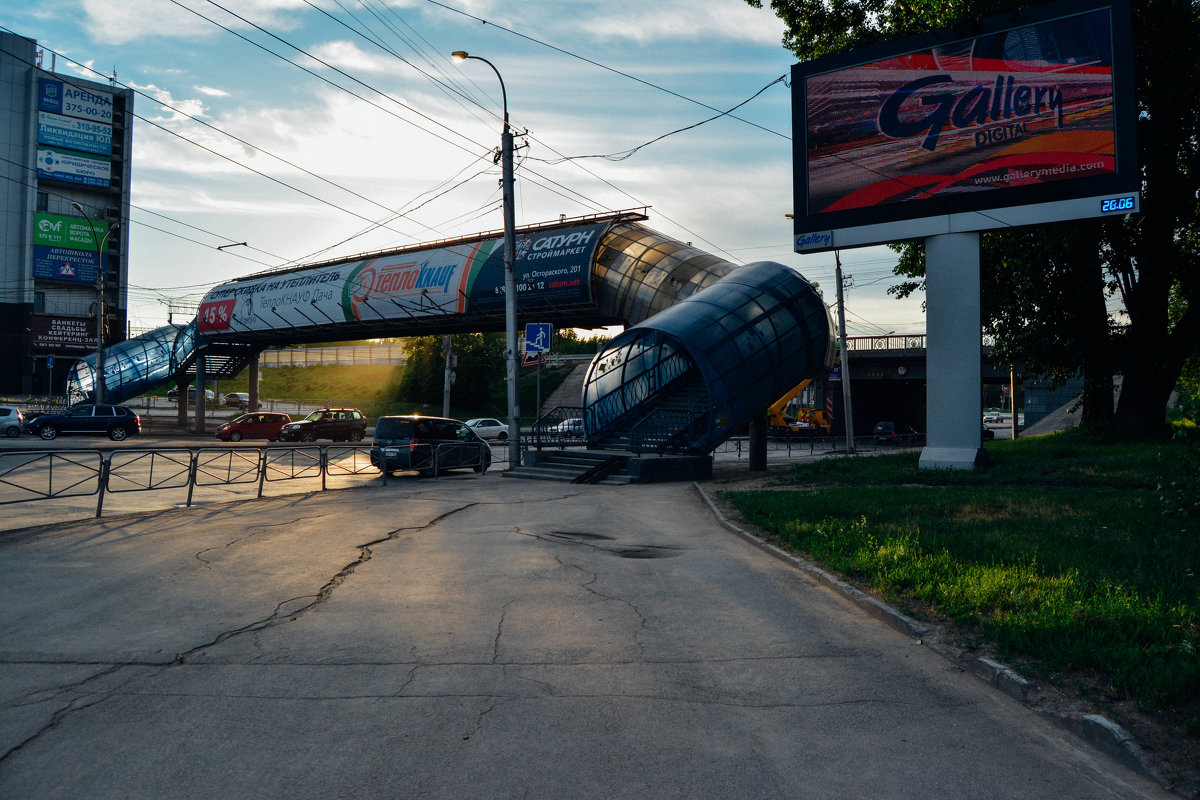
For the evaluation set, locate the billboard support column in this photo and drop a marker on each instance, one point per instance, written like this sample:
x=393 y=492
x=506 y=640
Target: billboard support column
x=953 y=406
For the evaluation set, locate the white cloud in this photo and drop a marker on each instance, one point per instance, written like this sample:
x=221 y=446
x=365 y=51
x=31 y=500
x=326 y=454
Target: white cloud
x=349 y=57
x=129 y=20
x=177 y=110
x=211 y=92
x=730 y=20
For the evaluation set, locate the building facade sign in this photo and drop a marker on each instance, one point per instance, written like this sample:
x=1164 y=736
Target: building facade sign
x=65 y=264
x=84 y=135
x=54 y=230
x=58 y=97
x=72 y=167
x=62 y=335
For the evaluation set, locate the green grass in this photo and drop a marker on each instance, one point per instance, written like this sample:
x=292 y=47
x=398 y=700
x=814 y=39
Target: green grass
x=1065 y=553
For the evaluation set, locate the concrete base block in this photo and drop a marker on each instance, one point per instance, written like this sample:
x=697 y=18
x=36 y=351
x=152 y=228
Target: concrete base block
x=953 y=457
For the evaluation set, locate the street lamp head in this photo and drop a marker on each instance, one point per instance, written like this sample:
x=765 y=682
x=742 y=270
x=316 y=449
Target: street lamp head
x=77 y=207
x=460 y=55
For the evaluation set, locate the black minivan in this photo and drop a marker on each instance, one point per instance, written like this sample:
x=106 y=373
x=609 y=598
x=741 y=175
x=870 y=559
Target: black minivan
x=427 y=445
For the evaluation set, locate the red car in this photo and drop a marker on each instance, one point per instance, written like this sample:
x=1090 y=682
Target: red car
x=259 y=425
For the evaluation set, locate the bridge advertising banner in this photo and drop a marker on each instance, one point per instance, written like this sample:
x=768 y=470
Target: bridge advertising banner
x=553 y=268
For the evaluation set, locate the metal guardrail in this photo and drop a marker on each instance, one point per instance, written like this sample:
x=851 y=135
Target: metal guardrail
x=30 y=475
x=797 y=445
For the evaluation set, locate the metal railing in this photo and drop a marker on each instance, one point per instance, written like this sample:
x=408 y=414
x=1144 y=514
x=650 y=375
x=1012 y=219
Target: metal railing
x=30 y=475
x=552 y=428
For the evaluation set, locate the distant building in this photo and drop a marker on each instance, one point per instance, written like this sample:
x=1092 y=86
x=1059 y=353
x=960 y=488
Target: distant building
x=64 y=141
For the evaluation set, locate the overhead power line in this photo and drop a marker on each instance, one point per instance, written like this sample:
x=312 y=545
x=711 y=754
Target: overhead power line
x=595 y=63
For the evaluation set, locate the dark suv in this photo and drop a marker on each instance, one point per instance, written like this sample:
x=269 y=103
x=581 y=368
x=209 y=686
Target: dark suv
x=426 y=444
x=338 y=424
x=118 y=422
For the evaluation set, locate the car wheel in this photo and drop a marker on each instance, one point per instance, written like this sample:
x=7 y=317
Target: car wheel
x=118 y=434
x=503 y=436
x=356 y=436
x=236 y=436
x=13 y=432
x=48 y=432
x=308 y=436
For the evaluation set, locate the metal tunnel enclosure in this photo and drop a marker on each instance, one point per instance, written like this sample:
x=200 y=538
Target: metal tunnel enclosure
x=689 y=377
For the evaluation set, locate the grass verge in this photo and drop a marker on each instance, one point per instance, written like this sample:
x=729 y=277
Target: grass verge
x=1065 y=553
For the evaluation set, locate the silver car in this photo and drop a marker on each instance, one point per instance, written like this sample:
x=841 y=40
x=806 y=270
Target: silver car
x=12 y=421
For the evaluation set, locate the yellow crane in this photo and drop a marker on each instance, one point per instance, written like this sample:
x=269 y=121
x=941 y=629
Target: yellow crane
x=806 y=420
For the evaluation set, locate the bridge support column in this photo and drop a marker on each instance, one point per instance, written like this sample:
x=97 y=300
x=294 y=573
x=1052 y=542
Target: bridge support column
x=200 y=398
x=252 y=404
x=953 y=406
x=758 y=442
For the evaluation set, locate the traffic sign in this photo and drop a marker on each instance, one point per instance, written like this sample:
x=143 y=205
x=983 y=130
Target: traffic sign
x=538 y=336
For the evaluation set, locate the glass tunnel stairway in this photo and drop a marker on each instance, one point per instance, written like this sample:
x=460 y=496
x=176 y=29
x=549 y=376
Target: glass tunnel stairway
x=164 y=354
x=694 y=375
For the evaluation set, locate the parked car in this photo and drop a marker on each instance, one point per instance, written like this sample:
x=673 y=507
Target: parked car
x=238 y=400
x=418 y=443
x=487 y=428
x=259 y=425
x=118 y=422
x=568 y=429
x=988 y=434
x=12 y=421
x=173 y=395
x=338 y=424
x=894 y=433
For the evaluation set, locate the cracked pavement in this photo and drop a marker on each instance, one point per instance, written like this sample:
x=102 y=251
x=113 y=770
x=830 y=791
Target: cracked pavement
x=479 y=637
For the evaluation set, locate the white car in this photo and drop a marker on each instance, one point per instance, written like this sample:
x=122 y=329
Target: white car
x=992 y=416
x=488 y=428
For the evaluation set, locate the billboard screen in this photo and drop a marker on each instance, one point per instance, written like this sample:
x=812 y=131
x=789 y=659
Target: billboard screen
x=553 y=268
x=1032 y=110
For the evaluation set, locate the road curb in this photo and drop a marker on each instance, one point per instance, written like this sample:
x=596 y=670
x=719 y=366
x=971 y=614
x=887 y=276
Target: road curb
x=1098 y=731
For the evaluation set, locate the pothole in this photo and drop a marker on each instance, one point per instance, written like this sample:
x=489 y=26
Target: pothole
x=648 y=552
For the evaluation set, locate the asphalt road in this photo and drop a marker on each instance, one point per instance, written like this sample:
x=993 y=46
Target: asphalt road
x=480 y=637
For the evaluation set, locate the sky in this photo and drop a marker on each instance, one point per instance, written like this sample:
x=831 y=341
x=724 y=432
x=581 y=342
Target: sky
x=318 y=129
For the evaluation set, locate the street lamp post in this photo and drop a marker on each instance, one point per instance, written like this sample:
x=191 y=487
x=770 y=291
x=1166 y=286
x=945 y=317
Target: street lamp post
x=98 y=381
x=510 y=271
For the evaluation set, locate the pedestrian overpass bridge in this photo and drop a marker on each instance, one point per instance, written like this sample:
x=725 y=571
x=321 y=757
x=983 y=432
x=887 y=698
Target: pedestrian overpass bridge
x=708 y=344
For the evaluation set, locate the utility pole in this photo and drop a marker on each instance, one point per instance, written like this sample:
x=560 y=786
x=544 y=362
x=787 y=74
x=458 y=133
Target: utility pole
x=847 y=406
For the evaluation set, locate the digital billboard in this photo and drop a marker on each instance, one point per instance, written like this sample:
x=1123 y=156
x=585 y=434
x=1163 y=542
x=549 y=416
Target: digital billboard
x=1031 y=119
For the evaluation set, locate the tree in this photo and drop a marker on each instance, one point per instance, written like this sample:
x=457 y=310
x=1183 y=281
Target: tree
x=1151 y=263
x=478 y=376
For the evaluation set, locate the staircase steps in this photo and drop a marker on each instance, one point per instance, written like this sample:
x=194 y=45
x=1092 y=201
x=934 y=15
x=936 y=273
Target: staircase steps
x=575 y=466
